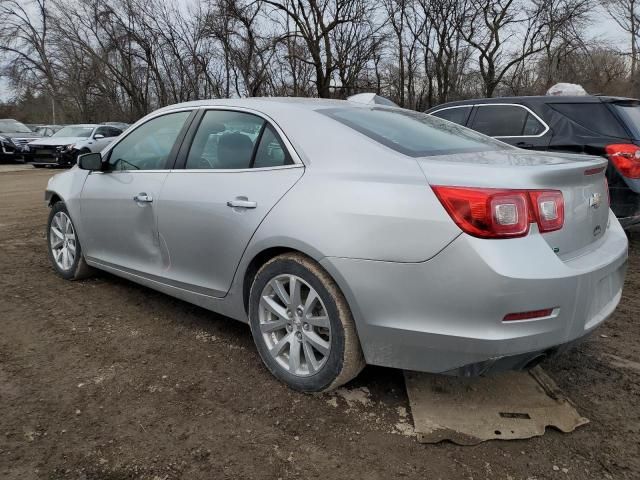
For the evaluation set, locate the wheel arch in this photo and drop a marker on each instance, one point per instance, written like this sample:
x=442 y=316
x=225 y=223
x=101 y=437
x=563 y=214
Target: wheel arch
x=257 y=261
x=52 y=197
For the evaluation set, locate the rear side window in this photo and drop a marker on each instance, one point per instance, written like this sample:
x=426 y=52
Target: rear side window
x=506 y=121
x=595 y=117
x=412 y=133
x=235 y=140
x=630 y=113
x=457 y=115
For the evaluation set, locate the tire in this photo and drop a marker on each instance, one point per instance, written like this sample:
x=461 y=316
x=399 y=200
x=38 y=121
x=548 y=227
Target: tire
x=308 y=327
x=69 y=265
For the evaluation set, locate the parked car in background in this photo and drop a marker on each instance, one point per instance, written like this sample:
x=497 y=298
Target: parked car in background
x=595 y=125
x=46 y=130
x=122 y=126
x=346 y=233
x=64 y=146
x=13 y=138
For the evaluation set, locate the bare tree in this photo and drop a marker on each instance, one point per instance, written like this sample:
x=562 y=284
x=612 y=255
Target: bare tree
x=626 y=13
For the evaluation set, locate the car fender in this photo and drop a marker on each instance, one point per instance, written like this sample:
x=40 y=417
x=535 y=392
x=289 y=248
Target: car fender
x=67 y=187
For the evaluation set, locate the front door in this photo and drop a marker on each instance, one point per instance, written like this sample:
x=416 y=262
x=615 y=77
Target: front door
x=237 y=168
x=118 y=207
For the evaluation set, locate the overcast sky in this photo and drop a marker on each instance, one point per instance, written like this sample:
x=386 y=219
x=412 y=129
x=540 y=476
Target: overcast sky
x=603 y=27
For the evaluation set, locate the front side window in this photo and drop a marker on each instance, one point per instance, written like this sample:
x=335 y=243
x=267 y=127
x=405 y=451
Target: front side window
x=235 y=140
x=148 y=146
x=412 y=133
x=506 y=121
x=457 y=115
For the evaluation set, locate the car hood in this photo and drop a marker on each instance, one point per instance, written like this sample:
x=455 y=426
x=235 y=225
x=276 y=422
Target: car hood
x=55 y=141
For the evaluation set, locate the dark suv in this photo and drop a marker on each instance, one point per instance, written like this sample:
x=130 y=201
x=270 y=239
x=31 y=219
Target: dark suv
x=595 y=125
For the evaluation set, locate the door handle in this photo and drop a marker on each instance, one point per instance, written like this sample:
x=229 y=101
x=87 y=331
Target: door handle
x=242 y=202
x=143 y=198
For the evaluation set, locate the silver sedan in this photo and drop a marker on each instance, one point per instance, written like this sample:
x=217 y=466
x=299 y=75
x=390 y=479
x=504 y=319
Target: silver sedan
x=347 y=234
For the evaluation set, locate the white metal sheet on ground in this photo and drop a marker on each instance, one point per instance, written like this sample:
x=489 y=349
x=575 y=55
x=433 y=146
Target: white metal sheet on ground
x=468 y=411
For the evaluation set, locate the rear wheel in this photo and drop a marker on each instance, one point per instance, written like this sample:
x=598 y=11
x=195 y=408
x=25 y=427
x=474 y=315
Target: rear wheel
x=302 y=325
x=65 y=251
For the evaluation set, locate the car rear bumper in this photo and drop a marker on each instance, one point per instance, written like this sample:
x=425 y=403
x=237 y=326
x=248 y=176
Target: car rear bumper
x=447 y=313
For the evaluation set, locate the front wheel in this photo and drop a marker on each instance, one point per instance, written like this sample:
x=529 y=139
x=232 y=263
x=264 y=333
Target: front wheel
x=65 y=251
x=302 y=325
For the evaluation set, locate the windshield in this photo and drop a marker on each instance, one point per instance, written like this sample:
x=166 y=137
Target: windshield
x=630 y=113
x=12 y=126
x=74 y=131
x=412 y=133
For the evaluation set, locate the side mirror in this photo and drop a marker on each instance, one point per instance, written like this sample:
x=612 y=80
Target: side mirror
x=90 y=161
x=98 y=136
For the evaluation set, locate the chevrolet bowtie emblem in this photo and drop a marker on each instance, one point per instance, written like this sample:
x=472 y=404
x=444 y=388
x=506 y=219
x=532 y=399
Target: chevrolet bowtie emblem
x=595 y=200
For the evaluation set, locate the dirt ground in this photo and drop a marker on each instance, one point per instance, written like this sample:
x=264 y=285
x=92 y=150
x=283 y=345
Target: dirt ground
x=104 y=379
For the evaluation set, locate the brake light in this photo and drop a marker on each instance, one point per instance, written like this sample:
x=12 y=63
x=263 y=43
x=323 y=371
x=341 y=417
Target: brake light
x=501 y=213
x=626 y=158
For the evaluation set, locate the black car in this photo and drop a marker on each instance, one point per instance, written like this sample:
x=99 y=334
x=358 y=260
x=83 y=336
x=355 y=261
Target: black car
x=13 y=138
x=595 y=125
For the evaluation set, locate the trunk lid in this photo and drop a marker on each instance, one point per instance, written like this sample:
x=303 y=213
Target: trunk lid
x=580 y=178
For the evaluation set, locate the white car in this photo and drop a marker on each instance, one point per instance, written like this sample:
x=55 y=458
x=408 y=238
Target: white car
x=63 y=147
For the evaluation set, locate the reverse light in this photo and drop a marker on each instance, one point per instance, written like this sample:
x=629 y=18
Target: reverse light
x=502 y=213
x=626 y=158
x=548 y=209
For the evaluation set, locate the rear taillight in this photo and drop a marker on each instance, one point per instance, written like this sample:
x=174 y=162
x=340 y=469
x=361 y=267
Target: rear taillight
x=626 y=158
x=498 y=213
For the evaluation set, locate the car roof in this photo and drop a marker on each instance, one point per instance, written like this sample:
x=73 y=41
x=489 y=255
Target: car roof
x=81 y=125
x=267 y=104
x=535 y=99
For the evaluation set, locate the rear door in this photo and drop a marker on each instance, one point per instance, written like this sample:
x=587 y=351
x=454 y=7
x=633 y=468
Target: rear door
x=232 y=170
x=514 y=124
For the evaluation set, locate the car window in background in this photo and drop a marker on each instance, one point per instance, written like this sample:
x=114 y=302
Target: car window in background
x=412 y=133
x=148 y=146
x=271 y=152
x=506 y=121
x=532 y=126
x=457 y=115
x=630 y=113
x=13 y=126
x=225 y=140
x=104 y=131
x=113 y=132
x=73 y=131
x=595 y=117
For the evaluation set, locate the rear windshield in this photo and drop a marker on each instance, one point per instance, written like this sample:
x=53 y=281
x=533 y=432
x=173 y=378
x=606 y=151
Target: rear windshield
x=630 y=113
x=412 y=133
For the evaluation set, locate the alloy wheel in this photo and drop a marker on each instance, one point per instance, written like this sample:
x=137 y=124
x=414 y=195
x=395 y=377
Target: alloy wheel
x=295 y=325
x=62 y=239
